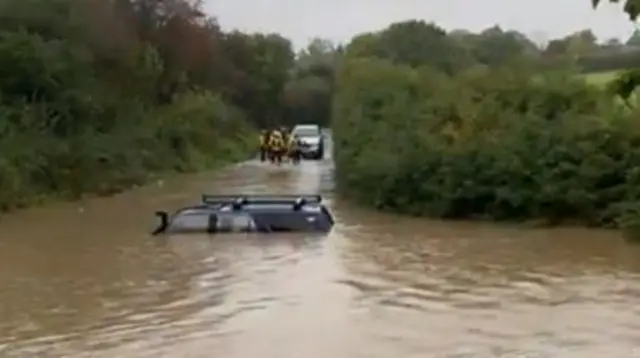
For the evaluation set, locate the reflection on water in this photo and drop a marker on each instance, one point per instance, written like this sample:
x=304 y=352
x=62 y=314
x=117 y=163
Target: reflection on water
x=85 y=280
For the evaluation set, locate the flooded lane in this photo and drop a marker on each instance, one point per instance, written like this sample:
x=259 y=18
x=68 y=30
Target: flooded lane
x=85 y=280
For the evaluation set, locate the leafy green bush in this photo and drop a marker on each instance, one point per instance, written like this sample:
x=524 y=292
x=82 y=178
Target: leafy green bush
x=494 y=142
x=198 y=131
x=83 y=114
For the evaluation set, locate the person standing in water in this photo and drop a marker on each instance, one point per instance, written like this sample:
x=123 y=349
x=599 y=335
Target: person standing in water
x=264 y=141
x=276 y=146
x=294 y=149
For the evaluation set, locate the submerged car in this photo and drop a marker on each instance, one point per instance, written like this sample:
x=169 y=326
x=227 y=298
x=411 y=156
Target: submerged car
x=249 y=213
x=311 y=140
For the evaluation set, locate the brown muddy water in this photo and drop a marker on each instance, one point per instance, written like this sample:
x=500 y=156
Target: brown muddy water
x=86 y=280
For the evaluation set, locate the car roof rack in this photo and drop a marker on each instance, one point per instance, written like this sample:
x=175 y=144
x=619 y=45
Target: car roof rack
x=294 y=199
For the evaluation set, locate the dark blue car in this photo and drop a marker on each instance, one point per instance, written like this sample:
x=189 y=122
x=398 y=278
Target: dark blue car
x=249 y=213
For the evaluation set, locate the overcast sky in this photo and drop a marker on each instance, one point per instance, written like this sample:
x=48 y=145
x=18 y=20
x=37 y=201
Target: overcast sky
x=339 y=20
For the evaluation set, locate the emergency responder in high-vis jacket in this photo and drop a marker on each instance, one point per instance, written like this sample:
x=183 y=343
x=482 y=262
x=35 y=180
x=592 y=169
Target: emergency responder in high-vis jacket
x=264 y=148
x=294 y=149
x=277 y=146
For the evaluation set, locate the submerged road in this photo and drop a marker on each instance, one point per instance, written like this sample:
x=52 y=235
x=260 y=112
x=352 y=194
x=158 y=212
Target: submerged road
x=86 y=280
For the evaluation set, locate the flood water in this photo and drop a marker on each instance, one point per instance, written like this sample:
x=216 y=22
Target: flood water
x=86 y=280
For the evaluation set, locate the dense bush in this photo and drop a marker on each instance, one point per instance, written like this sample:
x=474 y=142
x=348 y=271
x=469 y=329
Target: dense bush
x=500 y=142
x=609 y=61
x=97 y=95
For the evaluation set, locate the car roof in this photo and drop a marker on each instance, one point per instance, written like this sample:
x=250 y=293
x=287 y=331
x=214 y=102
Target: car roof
x=267 y=216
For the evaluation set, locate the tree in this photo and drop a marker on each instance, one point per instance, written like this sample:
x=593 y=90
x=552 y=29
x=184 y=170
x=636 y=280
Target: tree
x=630 y=81
x=494 y=46
x=578 y=44
x=634 y=40
x=489 y=141
x=557 y=47
x=309 y=92
x=413 y=43
x=259 y=68
x=631 y=7
x=107 y=92
x=613 y=43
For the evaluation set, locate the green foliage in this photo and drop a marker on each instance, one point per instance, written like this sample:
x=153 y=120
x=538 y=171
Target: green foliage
x=634 y=40
x=97 y=96
x=495 y=46
x=631 y=7
x=265 y=62
x=412 y=43
x=496 y=141
x=609 y=61
x=629 y=221
x=625 y=84
x=308 y=93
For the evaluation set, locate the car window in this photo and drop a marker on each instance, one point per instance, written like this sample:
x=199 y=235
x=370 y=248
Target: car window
x=190 y=222
x=306 y=131
x=235 y=222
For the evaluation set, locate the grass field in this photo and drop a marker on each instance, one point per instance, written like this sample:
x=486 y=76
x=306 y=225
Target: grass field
x=601 y=78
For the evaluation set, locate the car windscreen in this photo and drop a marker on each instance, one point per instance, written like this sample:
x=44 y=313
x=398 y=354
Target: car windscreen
x=306 y=131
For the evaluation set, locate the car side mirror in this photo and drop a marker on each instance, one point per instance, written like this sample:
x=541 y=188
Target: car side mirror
x=164 y=222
